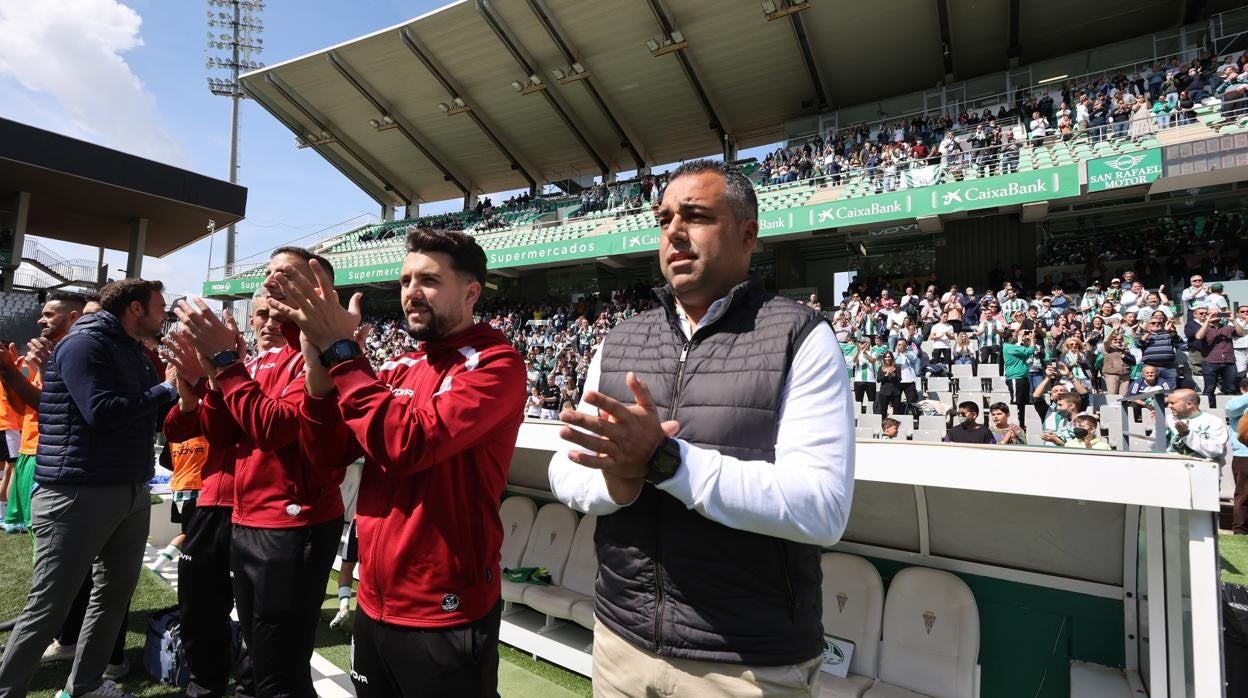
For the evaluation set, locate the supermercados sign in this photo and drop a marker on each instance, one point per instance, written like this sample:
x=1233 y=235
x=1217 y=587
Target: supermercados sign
x=898 y=208
x=548 y=252
x=1126 y=170
x=233 y=287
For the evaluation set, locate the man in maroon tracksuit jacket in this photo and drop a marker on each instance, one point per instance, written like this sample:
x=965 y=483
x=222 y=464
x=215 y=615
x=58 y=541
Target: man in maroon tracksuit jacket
x=287 y=516
x=205 y=595
x=437 y=428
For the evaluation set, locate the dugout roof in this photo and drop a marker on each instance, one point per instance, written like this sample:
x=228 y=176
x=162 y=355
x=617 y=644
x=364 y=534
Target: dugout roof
x=88 y=194
x=385 y=109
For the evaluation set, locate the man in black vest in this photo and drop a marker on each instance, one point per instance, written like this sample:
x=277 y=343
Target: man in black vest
x=716 y=446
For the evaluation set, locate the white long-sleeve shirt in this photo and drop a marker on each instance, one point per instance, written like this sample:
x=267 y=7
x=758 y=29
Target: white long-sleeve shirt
x=804 y=496
x=1207 y=436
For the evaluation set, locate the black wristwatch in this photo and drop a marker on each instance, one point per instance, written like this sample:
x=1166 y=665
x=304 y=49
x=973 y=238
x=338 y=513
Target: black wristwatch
x=224 y=358
x=664 y=463
x=339 y=351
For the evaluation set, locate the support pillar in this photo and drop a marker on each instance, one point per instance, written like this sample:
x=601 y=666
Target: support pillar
x=413 y=210
x=730 y=150
x=101 y=270
x=138 y=246
x=387 y=213
x=17 y=226
x=470 y=200
x=790 y=265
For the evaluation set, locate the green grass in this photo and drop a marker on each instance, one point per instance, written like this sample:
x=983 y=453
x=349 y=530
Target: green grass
x=520 y=676
x=1234 y=552
x=151 y=594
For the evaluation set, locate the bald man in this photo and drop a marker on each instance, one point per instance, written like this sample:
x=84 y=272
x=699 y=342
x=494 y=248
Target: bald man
x=1192 y=431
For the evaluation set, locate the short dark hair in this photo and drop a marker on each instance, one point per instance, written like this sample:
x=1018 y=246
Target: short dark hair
x=306 y=255
x=999 y=407
x=1243 y=384
x=116 y=296
x=740 y=192
x=466 y=255
x=889 y=422
x=969 y=407
x=73 y=300
x=91 y=297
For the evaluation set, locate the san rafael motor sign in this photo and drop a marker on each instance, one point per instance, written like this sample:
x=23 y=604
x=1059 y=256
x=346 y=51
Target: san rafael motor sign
x=1126 y=170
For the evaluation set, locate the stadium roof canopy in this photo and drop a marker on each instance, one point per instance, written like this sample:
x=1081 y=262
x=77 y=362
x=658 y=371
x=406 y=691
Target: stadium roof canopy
x=444 y=104
x=88 y=194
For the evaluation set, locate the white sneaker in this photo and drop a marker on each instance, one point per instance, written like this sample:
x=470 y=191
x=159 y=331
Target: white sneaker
x=342 y=619
x=108 y=689
x=56 y=652
x=113 y=672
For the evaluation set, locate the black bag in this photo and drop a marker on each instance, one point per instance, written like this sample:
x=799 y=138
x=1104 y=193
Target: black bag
x=163 y=656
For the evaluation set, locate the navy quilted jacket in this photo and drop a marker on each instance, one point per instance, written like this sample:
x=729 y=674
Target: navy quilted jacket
x=100 y=405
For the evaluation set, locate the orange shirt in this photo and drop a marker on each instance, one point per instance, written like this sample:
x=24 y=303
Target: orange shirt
x=188 y=458
x=30 y=415
x=10 y=418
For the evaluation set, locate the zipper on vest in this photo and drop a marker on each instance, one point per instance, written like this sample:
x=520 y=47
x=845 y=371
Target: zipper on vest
x=658 y=602
x=788 y=582
x=680 y=378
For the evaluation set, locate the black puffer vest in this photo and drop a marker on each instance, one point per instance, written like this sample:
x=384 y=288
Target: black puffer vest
x=669 y=579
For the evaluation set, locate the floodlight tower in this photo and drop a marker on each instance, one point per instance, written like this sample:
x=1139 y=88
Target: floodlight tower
x=234 y=28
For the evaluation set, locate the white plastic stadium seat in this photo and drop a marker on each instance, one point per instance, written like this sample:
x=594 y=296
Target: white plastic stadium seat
x=853 y=609
x=577 y=584
x=1093 y=680
x=933 y=423
x=548 y=546
x=930 y=637
x=963 y=371
x=517 y=514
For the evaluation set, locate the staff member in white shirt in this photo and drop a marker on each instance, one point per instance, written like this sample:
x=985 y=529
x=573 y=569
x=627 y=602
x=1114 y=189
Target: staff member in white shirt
x=703 y=446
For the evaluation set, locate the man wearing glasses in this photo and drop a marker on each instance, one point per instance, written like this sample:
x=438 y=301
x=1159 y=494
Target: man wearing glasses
x=1194 y=294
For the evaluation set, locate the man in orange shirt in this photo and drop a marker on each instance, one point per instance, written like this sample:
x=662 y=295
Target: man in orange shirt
x=11 y=423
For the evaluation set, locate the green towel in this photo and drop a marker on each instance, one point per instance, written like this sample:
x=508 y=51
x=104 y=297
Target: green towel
x=528 y=575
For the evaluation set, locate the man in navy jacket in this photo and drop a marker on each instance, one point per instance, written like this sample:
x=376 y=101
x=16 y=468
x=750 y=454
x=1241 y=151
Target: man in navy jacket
x=98 y=415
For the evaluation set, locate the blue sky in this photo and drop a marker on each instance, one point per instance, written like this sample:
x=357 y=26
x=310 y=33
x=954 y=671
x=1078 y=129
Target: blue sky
x=129 y=74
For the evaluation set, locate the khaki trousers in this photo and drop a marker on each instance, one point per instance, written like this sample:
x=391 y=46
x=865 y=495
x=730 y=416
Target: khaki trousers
x=620 y=669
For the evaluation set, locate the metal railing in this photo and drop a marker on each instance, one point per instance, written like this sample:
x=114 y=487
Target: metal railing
x=78 y=271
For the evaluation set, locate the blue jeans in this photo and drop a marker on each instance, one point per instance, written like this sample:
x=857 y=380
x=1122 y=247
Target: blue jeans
x=1225 y=373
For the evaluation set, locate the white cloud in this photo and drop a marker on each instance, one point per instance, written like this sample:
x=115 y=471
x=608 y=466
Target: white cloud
x=71 y=51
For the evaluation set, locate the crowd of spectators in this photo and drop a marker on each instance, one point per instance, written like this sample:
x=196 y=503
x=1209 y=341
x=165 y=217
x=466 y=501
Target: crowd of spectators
x=1117 y=105
x=629 y=194
x=1053 y=349
x=1124 y=340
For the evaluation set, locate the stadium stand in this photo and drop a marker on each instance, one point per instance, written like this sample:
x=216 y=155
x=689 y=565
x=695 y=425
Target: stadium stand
x=548 y=545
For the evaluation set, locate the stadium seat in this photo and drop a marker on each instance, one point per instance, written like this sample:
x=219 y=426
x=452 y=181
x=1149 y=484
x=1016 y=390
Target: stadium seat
x=577 y=582
x=932 y=423
x=861 y=432
x=853 y=609
x=549 y=542
x=929 y=435
x=963 y=371
x=937 y=384
x=1093 y=680
x=869 y=421
x=517 y=514
x=930 y=640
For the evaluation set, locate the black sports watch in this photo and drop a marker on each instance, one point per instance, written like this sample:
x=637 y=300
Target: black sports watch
x=340 y=351
x=224 y=358
x=664 y=463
